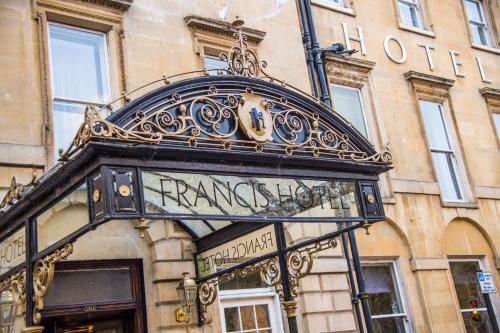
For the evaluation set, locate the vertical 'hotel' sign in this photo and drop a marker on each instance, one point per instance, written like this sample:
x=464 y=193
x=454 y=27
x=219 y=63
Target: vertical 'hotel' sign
x=12 y=251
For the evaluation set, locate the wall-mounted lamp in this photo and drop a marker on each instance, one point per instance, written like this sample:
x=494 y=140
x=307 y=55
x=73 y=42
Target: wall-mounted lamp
x=8 y=311
x=337 y=48
x=186 y=290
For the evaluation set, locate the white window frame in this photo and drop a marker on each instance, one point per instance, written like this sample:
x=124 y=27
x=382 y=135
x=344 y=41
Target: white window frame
x=244 y=297
x=483 y=267
x=418 y=10
x=339 y=3
x=106 y=57
x=400 y=290
x=454 y=156
x=496 y=123
x=484 y=23
x=102 y=105
x=361 y=102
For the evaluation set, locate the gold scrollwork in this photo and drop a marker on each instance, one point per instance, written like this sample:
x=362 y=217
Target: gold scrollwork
x=15 y=191
x=269 y=272
x=16 y=284
x=43 y=274
x=300 y=262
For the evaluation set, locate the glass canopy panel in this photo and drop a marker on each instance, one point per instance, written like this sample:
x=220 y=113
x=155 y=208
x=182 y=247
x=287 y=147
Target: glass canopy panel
x=63 y=218
x=189 y=194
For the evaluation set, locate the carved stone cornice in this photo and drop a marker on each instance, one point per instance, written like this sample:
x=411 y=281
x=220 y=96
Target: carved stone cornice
x=204 y=24
x=429 y=84
x=347 y=70
x=116 y=4
x=491 y=95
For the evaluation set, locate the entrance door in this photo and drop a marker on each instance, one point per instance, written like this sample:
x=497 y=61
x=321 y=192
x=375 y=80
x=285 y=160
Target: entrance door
x=101 y=296
x=104 y=326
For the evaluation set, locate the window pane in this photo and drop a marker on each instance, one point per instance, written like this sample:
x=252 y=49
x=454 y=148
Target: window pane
x=389 y=325
x=473 y=11
x=477 y=322
x=382 y=294
x=479 y=34
x=90 y=286
x=347 y=102
x=78 y=64
x=338 y=2
x=63 y=218
x=67 y=119
x=232 y=319
x=434 y=125
x=212 y=64
x=262 y=311
x=496 y=120
x=409 y=14
x=444 y=164
x=466 y=284
x=247 y=317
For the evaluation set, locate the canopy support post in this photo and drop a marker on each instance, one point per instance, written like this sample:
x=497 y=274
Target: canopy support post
x=288 y=301
x=354 y=292
x=362 y=295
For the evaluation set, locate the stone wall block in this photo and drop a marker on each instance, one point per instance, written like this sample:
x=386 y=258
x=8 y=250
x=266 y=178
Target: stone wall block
x=156 y=230
x=316 y=323
x=310 y=283
x=342 y=301
x=172 y=269
x=329 y=265
x=334 y=281
x=342 y=322
x=168 y=250
x=317 y=302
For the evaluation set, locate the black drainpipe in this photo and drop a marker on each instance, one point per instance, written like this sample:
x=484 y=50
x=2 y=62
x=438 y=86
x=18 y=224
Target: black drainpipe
x=316 y=53
x=306 y=40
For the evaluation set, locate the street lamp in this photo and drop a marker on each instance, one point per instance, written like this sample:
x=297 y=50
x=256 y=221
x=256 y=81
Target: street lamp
x=8 y=311
x=186 y=289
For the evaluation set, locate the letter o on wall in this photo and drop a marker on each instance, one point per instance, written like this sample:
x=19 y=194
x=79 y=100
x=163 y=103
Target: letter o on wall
x=404 y=55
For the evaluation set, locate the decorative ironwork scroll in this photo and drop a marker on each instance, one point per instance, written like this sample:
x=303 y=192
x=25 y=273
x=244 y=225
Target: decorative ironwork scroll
x=43 y=274
x=15 y=192
x=232 y=118
x=300 y=261
x=16 y=284
x=212 y=121
x=269 y=273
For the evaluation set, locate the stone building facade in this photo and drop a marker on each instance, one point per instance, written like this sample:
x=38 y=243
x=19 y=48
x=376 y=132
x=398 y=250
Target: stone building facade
x=425 y=79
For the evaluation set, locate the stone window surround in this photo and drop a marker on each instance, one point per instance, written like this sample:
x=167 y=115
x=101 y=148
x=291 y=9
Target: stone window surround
x=436 y=89
x=355 y=73
x=492 y=98
x=213 y=37
x=98 y=15
x=427 y=29
x=348 y=10
x=491 y=24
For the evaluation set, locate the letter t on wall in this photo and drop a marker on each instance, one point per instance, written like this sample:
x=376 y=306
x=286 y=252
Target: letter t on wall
x=428 y=49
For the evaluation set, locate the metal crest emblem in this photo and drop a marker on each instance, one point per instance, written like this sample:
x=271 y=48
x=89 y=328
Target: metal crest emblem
x=255 y=118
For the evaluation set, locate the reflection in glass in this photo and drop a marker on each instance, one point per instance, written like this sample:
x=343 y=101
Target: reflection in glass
x=198 y=194
x=384 y=299
x=248 y=319
x=469 y=296
x=63 y=218
x=347 y=102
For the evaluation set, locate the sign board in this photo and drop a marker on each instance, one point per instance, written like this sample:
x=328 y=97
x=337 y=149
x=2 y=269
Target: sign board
x=194 y=194
x=239 y=250
x=12 y=250
x=486 y=282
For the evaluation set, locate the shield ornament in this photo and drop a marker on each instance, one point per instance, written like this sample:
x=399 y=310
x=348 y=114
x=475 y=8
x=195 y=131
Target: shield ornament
x=255 y=118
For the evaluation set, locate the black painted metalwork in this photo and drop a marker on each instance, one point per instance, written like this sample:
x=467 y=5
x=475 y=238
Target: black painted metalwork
x=352 y=283
x=316 y=52
x=362 y=295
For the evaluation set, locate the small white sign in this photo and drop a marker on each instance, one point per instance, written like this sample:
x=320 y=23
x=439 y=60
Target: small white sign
x=486 y=282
